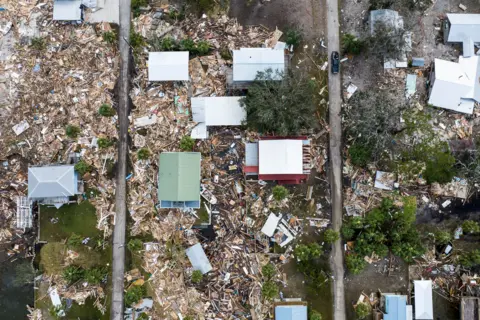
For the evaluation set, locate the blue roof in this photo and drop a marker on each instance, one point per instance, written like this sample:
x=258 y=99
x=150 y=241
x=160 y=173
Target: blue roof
x=395 y=307
x=291 y=313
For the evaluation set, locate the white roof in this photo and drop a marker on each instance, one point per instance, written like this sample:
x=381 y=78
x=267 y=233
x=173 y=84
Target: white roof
x=280 y=156
x=248 y=61
x=198 y=258
x=464 y=28
x=51 y=181
x=67 y=10
x=168 y=66
x=423 y=300
x=456 y=85
x=218 y=111
x=271 y=224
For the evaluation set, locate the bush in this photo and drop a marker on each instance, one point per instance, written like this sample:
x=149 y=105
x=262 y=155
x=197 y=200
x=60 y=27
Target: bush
x=470 y=259
x=187 y=45
x=109 y=37
x=314 y=315
x=440 y=169
x=197 y=276
x=168 y=44
x=331 y=236
x=360 y=154
x=351 y=44
x=187 y=143
x=143 y=153
x=104 y=143
x=82 y=167
x=38 y=43
x=202 y=47
x=380 y=4
x=136 y=40
x=470 y=226
x=135 y=245
x=74 y=240
x=72 y=131
x=106 y=110
x=363 y=310
x=134 y=294
x=136 y=5
x=442 y=237
x=268 y=271
x=203 y=5
x=177 y=15
x=72 y=274
x=293 y=37
x=225 y=53
x=347 y=232
x=279 y=193
x=269 y=290
x=355 y=263
x=305 y=253
x=96 y=274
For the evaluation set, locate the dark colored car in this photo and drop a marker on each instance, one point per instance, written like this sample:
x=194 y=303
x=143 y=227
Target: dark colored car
x=335 y=62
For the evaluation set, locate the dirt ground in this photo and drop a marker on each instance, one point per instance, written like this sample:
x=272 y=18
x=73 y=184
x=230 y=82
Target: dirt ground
x=306 y=15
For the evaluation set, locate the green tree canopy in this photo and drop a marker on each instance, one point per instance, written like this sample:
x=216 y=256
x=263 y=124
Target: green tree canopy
x=331 y=236
x=284 y=107
x=279 y=193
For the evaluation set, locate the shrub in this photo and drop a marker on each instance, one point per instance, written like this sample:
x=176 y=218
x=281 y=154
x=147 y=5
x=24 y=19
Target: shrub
x=363 y=310
x=197 y=276
x=470 y=259
x=442 y=237
x=351 y=44
x=38 y=43
x=279 y=193
x=225 y=53
x=360 y=154
x=72 y=274
x=440 y=169
x=82 y=167
x=106 y=110
x=74 y=240
x=72 y=131
x=268 y=271
x=136 y=40
x=177 y=15
x=134 y=294
x=136 y=5
x=355 y=263
x=143 y=153
x=331 y=236
x=96 y=274
x=470 y=226
x=187 y=45
x=305 y=253
x=168 y=44
x=347 y=232
x=104 y=143
x=187 y=143
x=293 y=37
x=314 y=315
x=109 y=37
x=203 y=5
x=135 y=245
x=269 y=290
x=202 y=47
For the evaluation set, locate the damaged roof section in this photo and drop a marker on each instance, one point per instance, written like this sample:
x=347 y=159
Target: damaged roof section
x=67 y=10
x=247 y=62
x=198 y=258
x=168 y=66
x=464 y=28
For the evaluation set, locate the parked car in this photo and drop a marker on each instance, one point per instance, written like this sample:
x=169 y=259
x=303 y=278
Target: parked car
x=335 y=62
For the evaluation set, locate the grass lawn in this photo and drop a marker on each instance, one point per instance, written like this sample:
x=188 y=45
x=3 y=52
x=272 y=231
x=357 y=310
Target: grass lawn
x=72 y=218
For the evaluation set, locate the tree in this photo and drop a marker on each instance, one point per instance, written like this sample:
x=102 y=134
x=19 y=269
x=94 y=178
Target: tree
x=331 y=236
x=202 y=47
x=197 y=276
x=143 y=154
x=355 y=263
x=269 y=290
x=72 y=274
x=104 y=143
x=442 y=237
x=72 y=131
x=360 y=154
x=347 y=232
x=470 y=259
x=95 y=275
x=106 y=110
x=268 y=271
x=109 y=37
x=314 y=315
x=293 y=37
x=134 y=294
x=82 y=167
x=136 y=5
x=470 y=226
x=279 y=193
x=440 y=168
x=387 y=42
x=136 y=40
x=362 y=310
x=305 y=253
x=280 y=103
x=187 y=44
x=351 y=44
x=187 y=143
x=135 y=245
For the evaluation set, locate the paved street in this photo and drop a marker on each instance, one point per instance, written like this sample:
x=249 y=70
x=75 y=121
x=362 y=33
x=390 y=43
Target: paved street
x=335 y=104
x=118 y=263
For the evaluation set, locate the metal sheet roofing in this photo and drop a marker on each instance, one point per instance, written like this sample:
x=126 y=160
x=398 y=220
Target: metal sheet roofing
x=67 y=10
x=218 y=111
x=51 y=181
x=271 y=224
x=247 y=62
x=280 y=156
x=168 y=66
x=456 y=85
x=464 y=28
x=386 y=16
x=198 y=258
x=423 y=300
x=179 y=176
x=395 y=307
x=291 y=312
x=251 y=154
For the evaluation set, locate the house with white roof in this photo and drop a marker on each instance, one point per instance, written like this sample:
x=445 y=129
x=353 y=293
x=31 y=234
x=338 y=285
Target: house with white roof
x=455 y=85
x=423 y=300
x=463 y=28
x=53 y=184
x=216 y=111
x=168 y=66
x=67 y=10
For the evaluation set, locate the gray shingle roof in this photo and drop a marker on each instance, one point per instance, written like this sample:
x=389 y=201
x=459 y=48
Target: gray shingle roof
x=51 y=181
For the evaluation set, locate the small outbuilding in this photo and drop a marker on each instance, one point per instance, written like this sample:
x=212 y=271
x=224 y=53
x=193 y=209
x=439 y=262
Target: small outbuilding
x=168 y=66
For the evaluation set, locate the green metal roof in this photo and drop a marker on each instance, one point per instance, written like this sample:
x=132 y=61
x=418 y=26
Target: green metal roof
x=179 y=176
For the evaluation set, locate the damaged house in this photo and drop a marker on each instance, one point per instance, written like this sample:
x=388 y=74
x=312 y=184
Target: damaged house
x=279 y=230
x=463 y=28
x=286 y=160
x=179 y=180
x=455 y=85
x=215 y=111
x=53 y=185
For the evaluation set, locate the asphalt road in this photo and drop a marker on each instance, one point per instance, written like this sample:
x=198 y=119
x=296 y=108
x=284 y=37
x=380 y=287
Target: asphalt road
x=335 y=106
x=118 y=261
